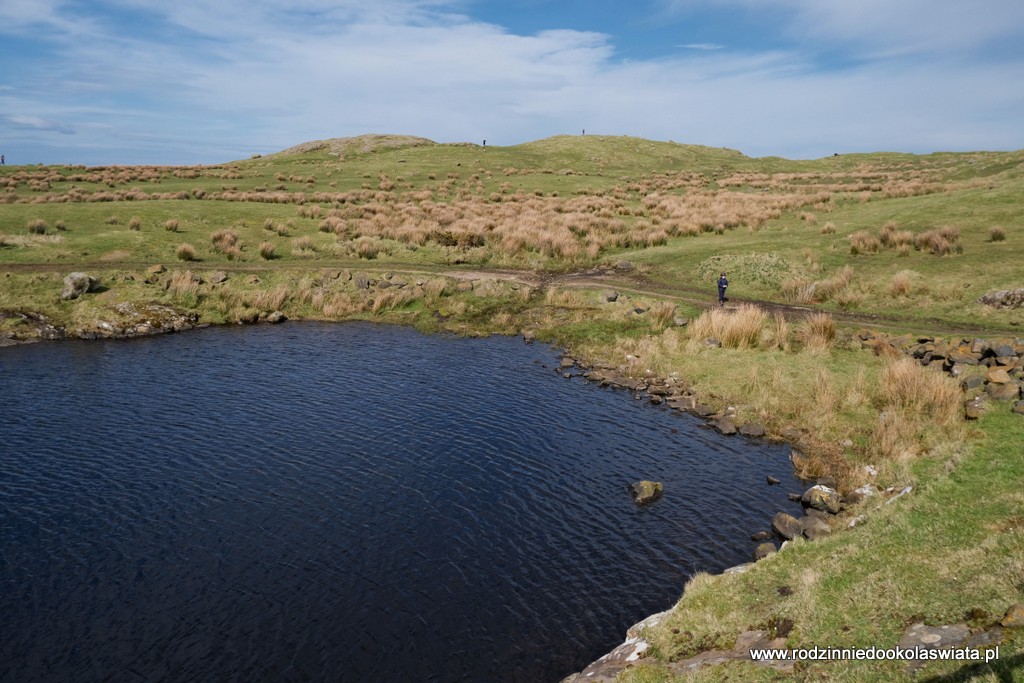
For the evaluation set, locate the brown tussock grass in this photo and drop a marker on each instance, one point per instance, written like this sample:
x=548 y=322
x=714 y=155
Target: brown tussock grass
x=863 y=242
x=663 y=313
x=907 y=385
x=186 y=252
x=902 y=283
x=817 y=332
x=737 y=329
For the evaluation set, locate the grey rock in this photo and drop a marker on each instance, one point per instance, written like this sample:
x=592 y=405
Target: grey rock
x=822 y=498
x=703 y=410
x=752 y=429
x=786 y=525
x=764 y=550
x=814 y=527
x=276 y=317
x=725 y=426
x=645 y=491
x=1003 y=392
x=77 y=284
x=974 y=408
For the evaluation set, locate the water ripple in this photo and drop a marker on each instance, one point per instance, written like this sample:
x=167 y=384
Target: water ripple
x=344 y=502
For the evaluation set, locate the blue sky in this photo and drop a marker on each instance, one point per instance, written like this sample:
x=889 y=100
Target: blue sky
x=194 y=81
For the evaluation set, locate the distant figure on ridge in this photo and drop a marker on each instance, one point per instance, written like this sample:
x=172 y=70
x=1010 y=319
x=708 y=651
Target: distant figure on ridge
x=723 y=284
x=3 y=160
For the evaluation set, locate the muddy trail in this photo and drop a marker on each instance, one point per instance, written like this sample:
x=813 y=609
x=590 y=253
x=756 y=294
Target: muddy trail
x=630 y=282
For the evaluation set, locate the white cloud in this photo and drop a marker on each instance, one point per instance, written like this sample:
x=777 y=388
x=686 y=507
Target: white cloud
x=882 y=27
x=36 y=123
x=230 y=78
x=703 y=46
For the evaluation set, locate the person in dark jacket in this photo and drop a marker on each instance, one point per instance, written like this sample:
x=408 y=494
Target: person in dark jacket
x=723 y=284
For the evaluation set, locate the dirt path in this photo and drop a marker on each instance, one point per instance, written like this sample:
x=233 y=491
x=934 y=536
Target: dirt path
x=629 y=283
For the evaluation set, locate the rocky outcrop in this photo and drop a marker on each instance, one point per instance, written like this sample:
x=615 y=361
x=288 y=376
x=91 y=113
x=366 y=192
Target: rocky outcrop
x=822 y=498
x=787 y=526
x=646 y=492
x=607 y=668
x=1004 y=298
x=77 y=284
x=1014 y=617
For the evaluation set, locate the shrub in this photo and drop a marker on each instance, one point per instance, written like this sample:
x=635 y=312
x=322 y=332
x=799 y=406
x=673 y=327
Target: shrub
x=186 y=252
x=171 y=225
x=37 y=226
x=996 y=233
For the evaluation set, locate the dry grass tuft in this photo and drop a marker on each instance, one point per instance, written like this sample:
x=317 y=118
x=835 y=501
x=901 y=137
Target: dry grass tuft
x=267 y=250
x=37 y=226
x=817 y=332
x=663 y=313
x=186 y=252
x=135 y=223
x=303 y=246
x=907 y=385
x=902 y=283
x=737 y=329
x=996 y=233
x=171 y=225
x=863 y=242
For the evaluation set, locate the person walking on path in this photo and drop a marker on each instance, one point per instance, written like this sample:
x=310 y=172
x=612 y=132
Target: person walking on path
x=723 y=284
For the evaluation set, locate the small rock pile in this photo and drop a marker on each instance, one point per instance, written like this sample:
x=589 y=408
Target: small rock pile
x=988 y=370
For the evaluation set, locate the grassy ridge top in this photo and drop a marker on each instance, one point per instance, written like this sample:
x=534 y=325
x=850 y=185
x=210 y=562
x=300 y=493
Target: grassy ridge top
x=912 y=236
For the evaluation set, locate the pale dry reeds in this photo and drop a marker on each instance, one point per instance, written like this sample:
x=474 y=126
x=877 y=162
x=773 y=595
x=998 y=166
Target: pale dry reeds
x=738 y=329
x=817 y=332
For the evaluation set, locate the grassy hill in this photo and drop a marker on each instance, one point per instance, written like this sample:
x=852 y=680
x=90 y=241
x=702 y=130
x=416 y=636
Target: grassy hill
x=531 y=237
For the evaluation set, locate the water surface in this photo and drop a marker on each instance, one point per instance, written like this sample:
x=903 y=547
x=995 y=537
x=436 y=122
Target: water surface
x=344 y=502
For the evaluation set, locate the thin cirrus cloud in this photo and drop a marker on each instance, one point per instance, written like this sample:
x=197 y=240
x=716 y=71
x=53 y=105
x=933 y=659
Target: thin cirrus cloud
x=197 y=82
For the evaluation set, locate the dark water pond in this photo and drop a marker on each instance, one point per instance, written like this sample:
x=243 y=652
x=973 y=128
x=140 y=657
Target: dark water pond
x=344 y=502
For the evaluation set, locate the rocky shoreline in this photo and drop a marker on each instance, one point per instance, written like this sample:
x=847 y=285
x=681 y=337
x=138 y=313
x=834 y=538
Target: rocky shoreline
x=989 y=371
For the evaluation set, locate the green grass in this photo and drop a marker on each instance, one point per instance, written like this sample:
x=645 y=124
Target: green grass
x=951 y=548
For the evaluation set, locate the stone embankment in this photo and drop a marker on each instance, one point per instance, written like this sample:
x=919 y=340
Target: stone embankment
x=990 y=371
